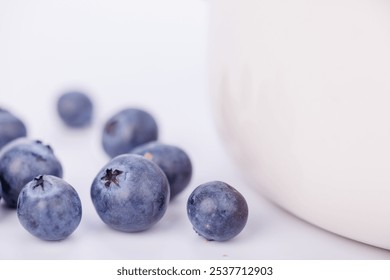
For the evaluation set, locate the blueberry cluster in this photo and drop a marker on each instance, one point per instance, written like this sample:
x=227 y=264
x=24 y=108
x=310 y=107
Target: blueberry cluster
x=130 y=193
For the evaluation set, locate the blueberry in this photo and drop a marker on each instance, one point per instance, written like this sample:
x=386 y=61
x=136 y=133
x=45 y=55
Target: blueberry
x=49 y=208
x=75 y=109
x=11 y=127
x=217 y=211
x=128 y=129
x=130 y=193
x=21 y=161
x=172 y=160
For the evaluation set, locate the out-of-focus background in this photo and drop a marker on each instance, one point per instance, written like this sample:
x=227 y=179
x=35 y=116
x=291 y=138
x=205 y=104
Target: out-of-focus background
x=150 y=54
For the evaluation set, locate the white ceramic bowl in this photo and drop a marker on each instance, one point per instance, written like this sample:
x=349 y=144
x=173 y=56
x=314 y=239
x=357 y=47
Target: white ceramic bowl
x=301 y=92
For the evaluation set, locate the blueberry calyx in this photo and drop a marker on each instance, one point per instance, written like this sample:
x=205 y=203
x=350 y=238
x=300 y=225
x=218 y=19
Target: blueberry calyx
x=47 y=146
x=110 y=177
x=39 y=182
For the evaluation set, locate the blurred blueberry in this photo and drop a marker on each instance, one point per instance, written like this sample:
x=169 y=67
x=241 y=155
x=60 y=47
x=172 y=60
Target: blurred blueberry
x=49 y=208
x=217 y=211
x=21 y=161
x=130 y=193
x=172 y=160
x=128 y=129
x=75 y=109
x=11 y=127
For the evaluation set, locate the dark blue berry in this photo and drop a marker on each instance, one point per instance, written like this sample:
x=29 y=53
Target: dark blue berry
x=217 y=211
x=49 y=208
x=21 y=161
x=75 y=109
x=172 y=160
x=130 y=193
x=128 y=129
x=11 y=127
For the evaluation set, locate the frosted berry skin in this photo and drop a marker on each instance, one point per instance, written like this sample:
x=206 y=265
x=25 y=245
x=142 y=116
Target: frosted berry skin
x=11 y=127
x=22 y=160
x=130 y=193
x=75 y=109
x=49 y=208
x=175 y=163
x=217 y=211
x=128 y=129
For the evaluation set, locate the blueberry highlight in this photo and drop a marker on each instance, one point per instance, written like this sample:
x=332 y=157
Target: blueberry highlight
x=49 y=208
x=217 y=211
x=130 y=193
x=175 y=163
x=22 y=160
x=75 y=109
x=128 y=129
x=11 y=127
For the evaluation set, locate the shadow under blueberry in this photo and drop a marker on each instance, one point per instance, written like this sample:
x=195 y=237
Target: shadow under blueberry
x=6 y=211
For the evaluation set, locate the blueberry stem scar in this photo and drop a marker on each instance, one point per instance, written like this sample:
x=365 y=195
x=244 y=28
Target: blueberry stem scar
x=149 y=156
x=111 y=127
x=110 y=177
x=39 y=182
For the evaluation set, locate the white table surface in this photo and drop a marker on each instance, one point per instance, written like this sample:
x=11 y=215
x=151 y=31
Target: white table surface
x=150 y=54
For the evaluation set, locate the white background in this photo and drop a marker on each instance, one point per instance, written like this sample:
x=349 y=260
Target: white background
x=150 y=54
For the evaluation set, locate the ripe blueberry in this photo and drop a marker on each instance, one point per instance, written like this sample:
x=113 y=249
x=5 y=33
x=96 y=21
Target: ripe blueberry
x=22 y=160
x=130 y=193
x=217 y=211
x=128 y=129
x=49 y=208
x=75 y=109
x=11 y=127
x=172 y=160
